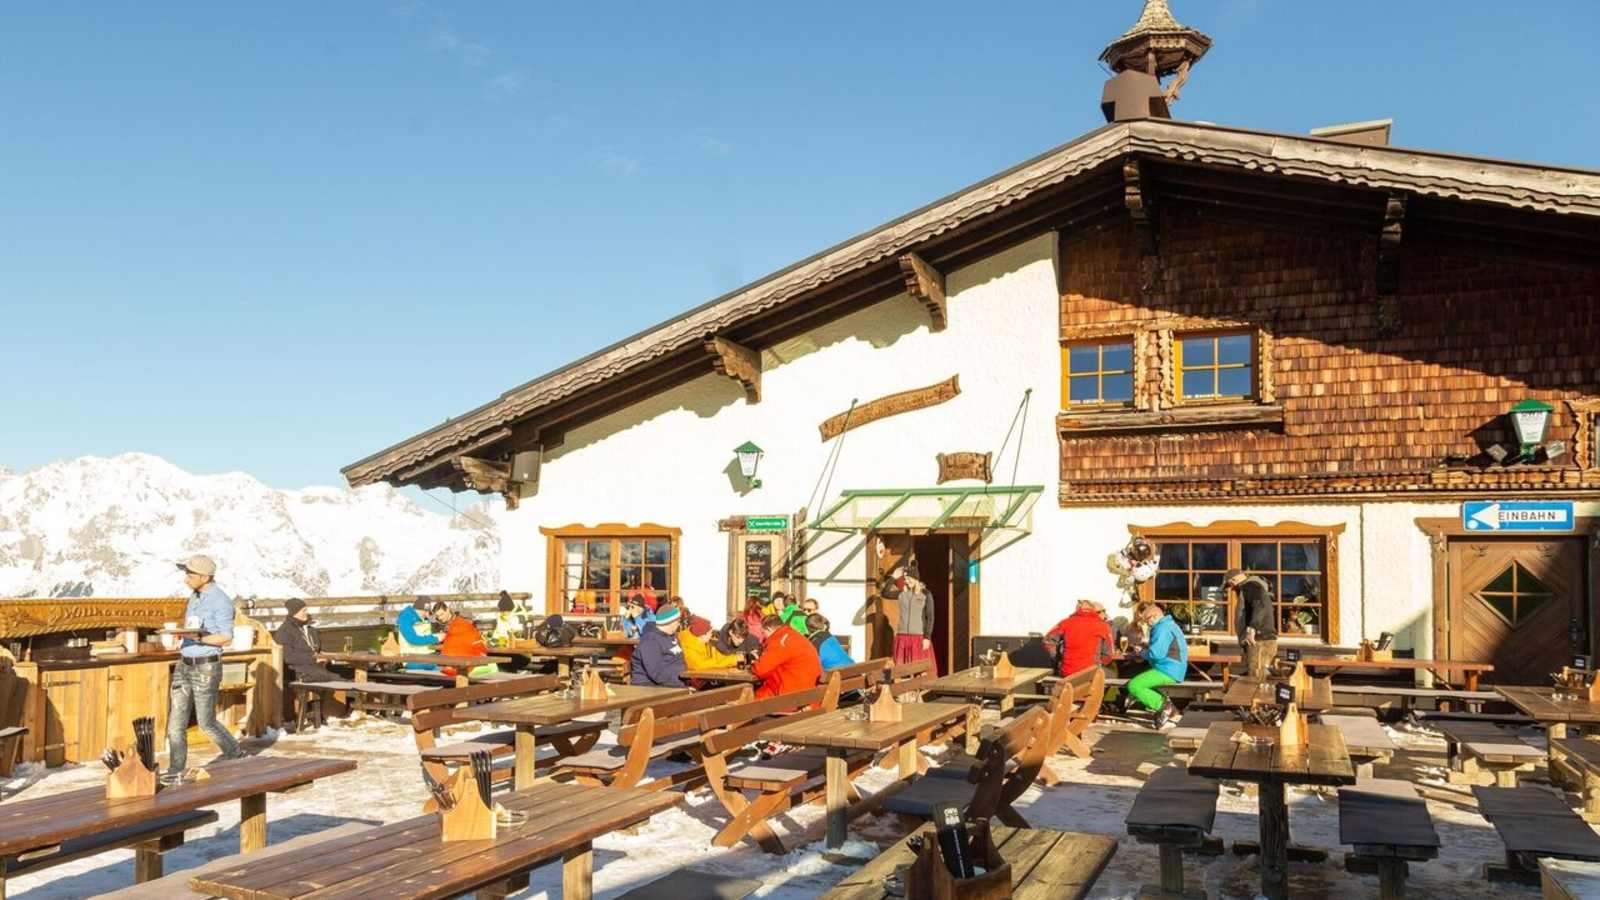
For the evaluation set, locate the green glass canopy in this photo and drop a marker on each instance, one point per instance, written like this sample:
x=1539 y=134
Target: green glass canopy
x=984 y=507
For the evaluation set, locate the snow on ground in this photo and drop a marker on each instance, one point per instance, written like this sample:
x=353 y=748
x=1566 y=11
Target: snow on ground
x=1095 y=797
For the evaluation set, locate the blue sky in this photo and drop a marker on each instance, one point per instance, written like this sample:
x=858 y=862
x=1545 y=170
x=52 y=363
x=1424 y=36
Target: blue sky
x=278 y=237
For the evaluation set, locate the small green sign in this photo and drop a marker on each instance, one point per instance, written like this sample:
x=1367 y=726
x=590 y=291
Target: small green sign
x=766 y=523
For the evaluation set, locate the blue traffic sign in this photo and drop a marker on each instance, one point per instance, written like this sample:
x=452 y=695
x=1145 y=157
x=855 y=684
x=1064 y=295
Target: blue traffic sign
x=1517 y=515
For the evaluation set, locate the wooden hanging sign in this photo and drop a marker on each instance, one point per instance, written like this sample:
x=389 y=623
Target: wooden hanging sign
x=131 y=779
x=891 y=405
x=930 y=878
x=390 y=646
x=884 y=707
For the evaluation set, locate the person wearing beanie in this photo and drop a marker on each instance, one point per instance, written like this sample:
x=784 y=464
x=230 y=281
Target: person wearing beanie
x=1256 y=622
x=658 y=660
x=508 y=620
x=829 y=651
x=415 y=632
x=699 y=651
x=300 y=643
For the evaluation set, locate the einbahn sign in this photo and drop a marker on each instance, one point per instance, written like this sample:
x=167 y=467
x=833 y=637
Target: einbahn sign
x=1517 y=515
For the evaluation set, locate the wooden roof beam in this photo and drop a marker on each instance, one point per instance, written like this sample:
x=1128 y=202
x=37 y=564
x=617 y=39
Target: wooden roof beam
x=738 y=362
x=926 y=285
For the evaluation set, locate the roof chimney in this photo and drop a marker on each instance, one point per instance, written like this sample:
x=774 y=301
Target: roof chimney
x=1157 y=45
x=1372 y=134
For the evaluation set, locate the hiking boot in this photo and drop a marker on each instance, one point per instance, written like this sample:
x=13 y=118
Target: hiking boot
x=1166 y=716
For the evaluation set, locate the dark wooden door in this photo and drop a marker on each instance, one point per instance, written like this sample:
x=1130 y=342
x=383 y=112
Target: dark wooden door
x=1513 y=603
x=933 y=563
x=884 y=553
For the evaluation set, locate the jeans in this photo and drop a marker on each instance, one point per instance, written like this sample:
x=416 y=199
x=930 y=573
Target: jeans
x=1258 y=656
x=195 y=688
x=1143 y=688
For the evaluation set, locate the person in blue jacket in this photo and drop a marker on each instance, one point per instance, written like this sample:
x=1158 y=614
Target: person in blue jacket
x=658 y=660
x=414 y=628
x=1168 y=656
x=828 y=647
x=635 y=615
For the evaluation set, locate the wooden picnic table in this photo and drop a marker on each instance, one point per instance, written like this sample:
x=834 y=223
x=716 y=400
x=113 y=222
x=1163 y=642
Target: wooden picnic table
x=1541 y=704
x=362 y=663
x=47 y=821
x=613 y=643
x=1365 y=738
x=562 y=655
x=558 y=708
x=1469 y=671
x=722 y=676
x=1045 y=865
x=409 y=859
x=1324 y=760
x=1243 y=692
x=843 y=732
x=979 y=683
x=1568 y=879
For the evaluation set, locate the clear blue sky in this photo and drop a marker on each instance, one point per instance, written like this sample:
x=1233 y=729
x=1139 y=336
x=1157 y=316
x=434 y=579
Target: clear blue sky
x=277 y=237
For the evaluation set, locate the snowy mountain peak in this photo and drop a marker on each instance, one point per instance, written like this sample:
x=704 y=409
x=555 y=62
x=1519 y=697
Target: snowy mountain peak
x=94 y=526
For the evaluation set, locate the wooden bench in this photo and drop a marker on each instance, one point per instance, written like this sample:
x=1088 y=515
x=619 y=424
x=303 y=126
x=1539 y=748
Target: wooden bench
x=1366 y=740
x=1007 y=762
x=1578 y=762
x=687 y=884
x=1533 y=823
x=1387 y=824
x=1408 y=699
x=1470 y=746
x=1563 y=879
x=176 y=885
x=433 y=710
x=648 y=733
x=1175 y=811
x=775 y=785
x=149 y=841
x=1080 y=696
x=368 y=696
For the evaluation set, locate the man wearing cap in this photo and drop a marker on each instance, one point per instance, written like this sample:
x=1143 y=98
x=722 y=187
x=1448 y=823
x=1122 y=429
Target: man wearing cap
x=1255 y=620
x=1084 y=636
x=197 y=677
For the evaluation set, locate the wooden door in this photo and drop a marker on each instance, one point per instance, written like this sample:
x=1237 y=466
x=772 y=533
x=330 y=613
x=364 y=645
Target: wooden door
x=1515 y=603
x=884 y=553
x=75 y=719
x=132 y=691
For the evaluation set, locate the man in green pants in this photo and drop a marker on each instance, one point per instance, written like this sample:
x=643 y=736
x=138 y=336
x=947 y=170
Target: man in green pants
x=1168 y=656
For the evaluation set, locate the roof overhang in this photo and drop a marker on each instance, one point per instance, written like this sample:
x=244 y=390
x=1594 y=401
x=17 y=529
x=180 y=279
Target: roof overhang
x=1066 y=187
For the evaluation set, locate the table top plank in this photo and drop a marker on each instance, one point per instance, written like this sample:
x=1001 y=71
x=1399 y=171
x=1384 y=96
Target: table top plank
x=1571 y=878
x=972 y=683
x=1397 y=665
x=554 y=709
x=378 y=659
x=1362 y=735
x=723 y=676
x=536 y=650
x=1324 y=760
x=1540 y=703
x=43 y=821
x=1245 y=691
x=1045 y=865
x=841 y=729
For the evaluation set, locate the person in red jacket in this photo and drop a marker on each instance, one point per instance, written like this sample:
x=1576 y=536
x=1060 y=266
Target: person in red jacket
x=1085 y=638
x=461 y=638
x=788 y=662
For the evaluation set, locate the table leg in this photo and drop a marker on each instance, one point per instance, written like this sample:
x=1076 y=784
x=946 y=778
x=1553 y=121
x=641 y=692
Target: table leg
x=1471 y=679
x=147 y=862
x=838 y=789
x=564 y=667
x=527 y=752
x=908 y=759
x=252 y=823
x=1006 y=703
x=971 y=730
x=1274 y=815
x=360 y=674
x=577 y=873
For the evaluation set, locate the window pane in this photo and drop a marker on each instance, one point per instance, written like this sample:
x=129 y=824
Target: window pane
x=572 y=553
x=1259 y=557
x=1117 y=388
x=1503 y=583
x=632 y=552
x=1502 y=604
x=598 y=571
x=1527 y=584
x=1084 y=359
x=1085 y=389
x=1212 y=617
x=1235 y=382
x=655 y=578
x=1528 y=604
x=1199 y=384
x=571 y=578
x=1199 y=352
x=1209 y=581
x=1302 y=558
x=1300 y=620
x=657 y=553
x=1172 y=586
x=1117 y=358
x=1210 y=556
x=1302 y=589
x=1173 y=556
x=1233 y=349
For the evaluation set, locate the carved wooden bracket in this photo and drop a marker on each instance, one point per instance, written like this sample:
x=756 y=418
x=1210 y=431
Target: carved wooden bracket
x=954 y=466
x=1137 y=197
x=1585 y=416
x=926 y=284
x=739 y=363
x=892 y=405
x=1387 y=275
x=488 y=477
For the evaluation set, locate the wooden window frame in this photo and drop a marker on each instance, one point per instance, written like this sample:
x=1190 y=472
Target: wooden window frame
x=1216 y=367
x=1135 y=370
x=555 y=539
x=1234 y=533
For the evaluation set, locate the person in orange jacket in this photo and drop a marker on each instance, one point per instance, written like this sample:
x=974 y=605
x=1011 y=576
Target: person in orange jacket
x=788 y=663
x=461 y=638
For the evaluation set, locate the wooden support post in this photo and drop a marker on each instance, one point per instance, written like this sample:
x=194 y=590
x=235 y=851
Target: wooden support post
x=838 y=779
x=1505 y=776
x=908 y=758
x=971 y=730
x=527 y=752
x=1274 y=814
x=1172 y=868
x=577 y=873
x=1392 y=879
x=252 y=823
x=147 y=862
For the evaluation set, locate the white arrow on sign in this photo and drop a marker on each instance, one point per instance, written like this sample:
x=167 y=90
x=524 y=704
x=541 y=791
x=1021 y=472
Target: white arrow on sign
x=1488 y=517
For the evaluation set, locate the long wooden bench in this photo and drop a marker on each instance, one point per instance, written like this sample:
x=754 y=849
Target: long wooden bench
x=1471 y=746
x=1078 y=698
x=149 y=841
x=1533 y=823
x=1368 y=743
x=1409 y=699
x=688 y=884
x=433 y=710
x=650 y=733
x=176 y=885
x=1007 y=763
x=1191 y=729
x=1578 y=762
x=1387 y=824
x=774 y=785
x=1175 y=811
x=368 y=696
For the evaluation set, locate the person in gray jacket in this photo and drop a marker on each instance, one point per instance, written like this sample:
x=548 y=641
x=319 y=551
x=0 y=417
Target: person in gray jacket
x=1255 y=620
x=913 y=636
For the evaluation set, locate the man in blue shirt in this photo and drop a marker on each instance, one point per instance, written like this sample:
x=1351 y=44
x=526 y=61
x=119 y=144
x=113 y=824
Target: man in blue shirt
x=198 y=675
x=1168 y=656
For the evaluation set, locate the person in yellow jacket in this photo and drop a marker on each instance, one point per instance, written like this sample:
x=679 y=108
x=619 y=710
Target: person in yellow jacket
x=698 y=650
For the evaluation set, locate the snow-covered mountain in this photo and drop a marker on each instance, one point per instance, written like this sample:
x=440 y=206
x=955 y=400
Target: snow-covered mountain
x=114 y=527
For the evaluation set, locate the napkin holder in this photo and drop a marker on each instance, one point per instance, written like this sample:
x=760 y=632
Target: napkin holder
x=1300 y=680
x=131 y=780
x=590 y=687
x=930 y=879
x=1369 y=652
x=390 y=646
x=1003 y=669
x=884 y=707
x=469 y=818
x=1292 y=730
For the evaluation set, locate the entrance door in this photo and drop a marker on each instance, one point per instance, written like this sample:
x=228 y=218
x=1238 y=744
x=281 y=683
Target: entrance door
x=942 y=564
x=1517 y=604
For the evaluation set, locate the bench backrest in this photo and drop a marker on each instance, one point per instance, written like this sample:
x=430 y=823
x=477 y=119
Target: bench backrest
x=431 y=710
x=1026 y=740
x=1088 y=691
x=675 y=717
x=862 y=675
x=731 y=727
x=907 y=671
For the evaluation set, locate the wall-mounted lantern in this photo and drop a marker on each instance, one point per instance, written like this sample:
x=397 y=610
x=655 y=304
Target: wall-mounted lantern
x=749 y=459
x=1531 y=418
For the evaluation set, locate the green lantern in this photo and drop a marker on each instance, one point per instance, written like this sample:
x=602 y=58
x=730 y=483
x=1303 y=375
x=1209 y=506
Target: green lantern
x=749 y=459
x=1531 y=418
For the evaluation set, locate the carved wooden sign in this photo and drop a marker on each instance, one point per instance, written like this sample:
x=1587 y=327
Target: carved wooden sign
x=954 y=466
x=27 y=618
x=892 y=405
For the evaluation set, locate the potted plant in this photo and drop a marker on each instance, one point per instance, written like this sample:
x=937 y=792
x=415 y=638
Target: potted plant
x=1305 y=621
